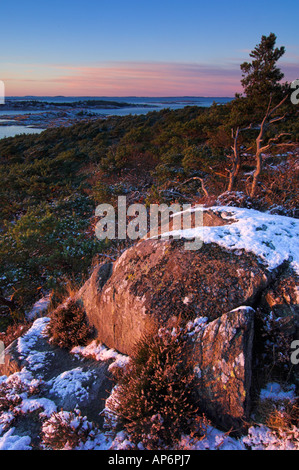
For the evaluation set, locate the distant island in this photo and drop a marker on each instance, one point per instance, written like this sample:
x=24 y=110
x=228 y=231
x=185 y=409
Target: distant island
x=55 y=114
x=30 y=104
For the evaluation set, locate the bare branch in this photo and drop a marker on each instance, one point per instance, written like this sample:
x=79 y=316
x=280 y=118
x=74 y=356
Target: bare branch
x=203 y=187
x=259 y=149
x=277 y=119
x=278 y=106
x=277 y=137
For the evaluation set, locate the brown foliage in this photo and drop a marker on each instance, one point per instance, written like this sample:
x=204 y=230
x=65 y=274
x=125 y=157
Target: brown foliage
x=68 y=325
x=155 y=399
x=66 y=430
x=284 y=418
x=14 y=331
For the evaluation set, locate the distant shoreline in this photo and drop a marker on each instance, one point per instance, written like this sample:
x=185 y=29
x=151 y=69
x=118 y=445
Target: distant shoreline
x=36 y=104
x=42 y=113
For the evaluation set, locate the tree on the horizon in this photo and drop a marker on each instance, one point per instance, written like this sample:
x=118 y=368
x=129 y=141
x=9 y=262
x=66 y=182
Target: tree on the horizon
x=264 y=94
x=262 y=77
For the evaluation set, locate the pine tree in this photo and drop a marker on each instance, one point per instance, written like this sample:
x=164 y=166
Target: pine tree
x=261 y=76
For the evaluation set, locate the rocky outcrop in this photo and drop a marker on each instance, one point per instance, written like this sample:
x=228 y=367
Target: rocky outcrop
x=157 y=280
x=153 y=284
x=224 y=353
x=282 y=299
x=68 y=380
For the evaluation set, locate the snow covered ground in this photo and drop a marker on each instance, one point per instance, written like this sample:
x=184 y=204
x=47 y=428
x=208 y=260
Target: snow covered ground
x=21 y=385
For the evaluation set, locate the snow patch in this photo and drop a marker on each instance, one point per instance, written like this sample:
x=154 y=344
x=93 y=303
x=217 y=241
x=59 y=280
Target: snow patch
x=72 y=382
x=275 y=392
x=99 y=352
x=10 y=442
x=27 y=342
x=273 y=238
x=39 y=307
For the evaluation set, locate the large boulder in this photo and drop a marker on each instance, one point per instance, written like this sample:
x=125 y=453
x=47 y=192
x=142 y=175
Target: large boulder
x=156 y=280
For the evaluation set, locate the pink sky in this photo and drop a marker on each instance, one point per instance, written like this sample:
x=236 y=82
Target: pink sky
x=128 y=79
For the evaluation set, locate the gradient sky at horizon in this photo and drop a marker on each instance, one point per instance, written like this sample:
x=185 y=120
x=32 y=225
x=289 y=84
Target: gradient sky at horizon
x=139 y=48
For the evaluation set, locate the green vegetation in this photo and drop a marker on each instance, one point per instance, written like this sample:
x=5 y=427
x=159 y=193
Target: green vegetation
x=69 y=104
x=261 y=76
x=51 y=183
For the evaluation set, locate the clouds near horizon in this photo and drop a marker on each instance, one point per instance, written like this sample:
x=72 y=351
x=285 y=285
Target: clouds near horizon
x=130 y=79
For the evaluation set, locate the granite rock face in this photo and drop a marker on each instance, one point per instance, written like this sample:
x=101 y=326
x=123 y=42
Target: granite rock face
x=153 y=284
x=157 y=280
x=282 y=299
x=224 y=353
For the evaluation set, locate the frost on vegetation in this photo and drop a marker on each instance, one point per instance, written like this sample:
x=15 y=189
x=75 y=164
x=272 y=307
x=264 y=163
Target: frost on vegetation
x=6 y=420
x=280 y=431
x=213 y=440
x=39 y=307
x=67 y=430
x=275 y=392
x=109 y=414
x=196 y=325
x=263 y=438
x=100 y=353
x=72 y=383
x=9 y=441
x=19 y=396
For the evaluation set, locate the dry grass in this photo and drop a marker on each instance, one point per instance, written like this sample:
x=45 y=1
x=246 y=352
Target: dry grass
x=281 y=417
x=284 y=418
x=14 y=331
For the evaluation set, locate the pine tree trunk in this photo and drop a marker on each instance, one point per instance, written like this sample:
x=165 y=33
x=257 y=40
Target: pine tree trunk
x=236 y=161
x=256 y=174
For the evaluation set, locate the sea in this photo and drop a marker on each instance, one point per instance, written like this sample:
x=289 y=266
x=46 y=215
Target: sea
x=144 y=106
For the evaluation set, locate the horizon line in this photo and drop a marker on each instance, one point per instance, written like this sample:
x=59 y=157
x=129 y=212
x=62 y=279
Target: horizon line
x=116 y=96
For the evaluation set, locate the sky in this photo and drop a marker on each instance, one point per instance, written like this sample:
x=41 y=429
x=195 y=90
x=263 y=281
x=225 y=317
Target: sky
x=139 y=47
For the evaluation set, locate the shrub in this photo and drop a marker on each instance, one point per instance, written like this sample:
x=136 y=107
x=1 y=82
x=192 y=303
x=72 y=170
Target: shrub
x=12 y=390
x=68 y=325
x=155 y=399
x=14 y=331
x=273 y=340
x=285 y=419
x=66 y=430
x=8 y=399
x=101 y=193
x=280 y=426
x=196 y=158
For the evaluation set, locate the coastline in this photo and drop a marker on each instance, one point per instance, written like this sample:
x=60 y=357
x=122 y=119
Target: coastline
x=41 y=113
